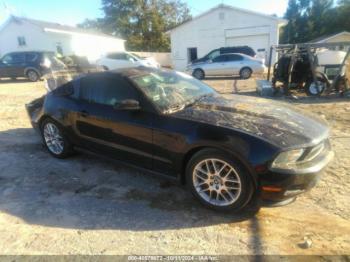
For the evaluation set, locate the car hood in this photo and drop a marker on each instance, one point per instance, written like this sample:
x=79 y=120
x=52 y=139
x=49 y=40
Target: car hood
x=281 y=125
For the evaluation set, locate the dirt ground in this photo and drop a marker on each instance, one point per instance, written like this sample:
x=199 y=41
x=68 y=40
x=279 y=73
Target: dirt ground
x=86 y=205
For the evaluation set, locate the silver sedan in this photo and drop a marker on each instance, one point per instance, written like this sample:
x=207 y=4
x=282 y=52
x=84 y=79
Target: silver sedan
x=227 y=65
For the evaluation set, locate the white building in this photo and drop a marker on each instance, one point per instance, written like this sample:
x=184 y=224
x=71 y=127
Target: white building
x=223 y=26
x=23 y=34
x=342 y=37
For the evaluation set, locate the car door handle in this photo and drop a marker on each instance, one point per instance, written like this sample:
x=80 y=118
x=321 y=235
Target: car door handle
x=84 y=113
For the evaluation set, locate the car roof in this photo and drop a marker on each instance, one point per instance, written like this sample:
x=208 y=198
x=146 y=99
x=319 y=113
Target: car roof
x=232 y=54
x=127 y=72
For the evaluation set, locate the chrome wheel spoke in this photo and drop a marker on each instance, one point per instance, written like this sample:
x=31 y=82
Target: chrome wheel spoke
x=216 y=182
x=214 y=166
x=53 y=138
x=232 y=181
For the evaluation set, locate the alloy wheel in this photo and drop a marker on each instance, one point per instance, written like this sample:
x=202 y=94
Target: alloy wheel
x=316 y=88
x=198 y=74
x=246 y=73
x=53 y=139
x=216 y=182
x=32 y=75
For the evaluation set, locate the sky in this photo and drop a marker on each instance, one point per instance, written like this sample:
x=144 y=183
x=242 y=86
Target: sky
x=71 y=12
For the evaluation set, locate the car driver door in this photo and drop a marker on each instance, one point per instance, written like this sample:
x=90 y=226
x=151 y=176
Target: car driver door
x=104 y=126
x=215 y=66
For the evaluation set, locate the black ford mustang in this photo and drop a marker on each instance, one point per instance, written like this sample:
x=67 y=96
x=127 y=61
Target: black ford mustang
x=229 y=150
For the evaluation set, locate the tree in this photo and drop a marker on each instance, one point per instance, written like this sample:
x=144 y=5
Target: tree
x=143 y=23
x=309 y=19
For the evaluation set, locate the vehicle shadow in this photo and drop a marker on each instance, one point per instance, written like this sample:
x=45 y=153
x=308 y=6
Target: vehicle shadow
x=222 y=78
x=17 y=80
x=86 y=192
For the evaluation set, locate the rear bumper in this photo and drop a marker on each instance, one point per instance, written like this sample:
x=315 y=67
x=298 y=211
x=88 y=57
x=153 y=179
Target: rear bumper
x=278 y=186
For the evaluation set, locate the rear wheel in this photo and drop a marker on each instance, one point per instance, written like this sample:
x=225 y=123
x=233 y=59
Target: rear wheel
x=313 y=88
x=199 y=74
x=245 y=73
x=55 y=140
x=218 y=181
x=33 y=76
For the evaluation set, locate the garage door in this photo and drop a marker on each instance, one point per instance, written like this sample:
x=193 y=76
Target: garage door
x=260 y=43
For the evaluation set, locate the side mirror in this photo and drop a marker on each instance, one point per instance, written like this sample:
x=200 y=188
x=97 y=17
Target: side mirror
x=128 y=104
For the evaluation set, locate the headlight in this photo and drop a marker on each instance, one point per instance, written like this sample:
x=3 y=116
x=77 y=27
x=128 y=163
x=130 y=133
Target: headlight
x=288 y=159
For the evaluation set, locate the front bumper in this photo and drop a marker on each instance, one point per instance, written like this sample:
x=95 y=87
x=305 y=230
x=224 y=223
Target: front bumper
x=281 y=186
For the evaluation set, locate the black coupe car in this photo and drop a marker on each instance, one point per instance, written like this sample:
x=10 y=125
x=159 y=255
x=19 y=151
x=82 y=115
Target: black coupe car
x=228 y=149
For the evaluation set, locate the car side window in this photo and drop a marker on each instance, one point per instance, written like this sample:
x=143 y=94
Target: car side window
x=117 y=56
x=214 y=54
x=31 y=57
x=221 y=58
x=233 y=58
x=17 y=58
x=104 y=90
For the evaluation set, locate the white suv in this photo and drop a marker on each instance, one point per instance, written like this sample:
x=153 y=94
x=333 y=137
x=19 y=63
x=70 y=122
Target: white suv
x=118 y=60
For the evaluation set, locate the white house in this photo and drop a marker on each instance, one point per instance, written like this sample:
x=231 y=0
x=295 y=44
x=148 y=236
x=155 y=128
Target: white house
x=24 y=34
x=343 y=37
x=223 y=26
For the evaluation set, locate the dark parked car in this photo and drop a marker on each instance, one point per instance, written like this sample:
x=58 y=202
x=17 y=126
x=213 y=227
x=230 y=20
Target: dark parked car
x=230 y=150
x=246 y=50
x=31 y=65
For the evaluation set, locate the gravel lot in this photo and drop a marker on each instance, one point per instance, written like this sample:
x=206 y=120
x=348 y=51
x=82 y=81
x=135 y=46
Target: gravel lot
x=86 y=205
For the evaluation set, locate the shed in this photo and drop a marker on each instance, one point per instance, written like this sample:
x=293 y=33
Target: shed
x=223 y=26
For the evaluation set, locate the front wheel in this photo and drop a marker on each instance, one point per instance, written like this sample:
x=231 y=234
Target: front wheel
x=199 y=74
x=218 y=181
x=55 y=140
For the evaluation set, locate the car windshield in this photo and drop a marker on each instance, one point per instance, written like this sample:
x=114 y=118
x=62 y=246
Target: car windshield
x=137 y=56
x=172 y=91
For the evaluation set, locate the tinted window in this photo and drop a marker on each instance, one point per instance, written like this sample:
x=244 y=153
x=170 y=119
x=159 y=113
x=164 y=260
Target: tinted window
x=31 y=57
x=214 y=54
x=221 y=58
x=117 y=56
x=14 y=58
x=232 y=58
x=108 y=90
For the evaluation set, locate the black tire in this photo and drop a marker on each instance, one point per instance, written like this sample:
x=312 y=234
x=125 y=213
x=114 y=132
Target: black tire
x=311 y=90
x=32 y=75
x=247 y=187
x=67 y=146
x=245 y=73
x=198 y=73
